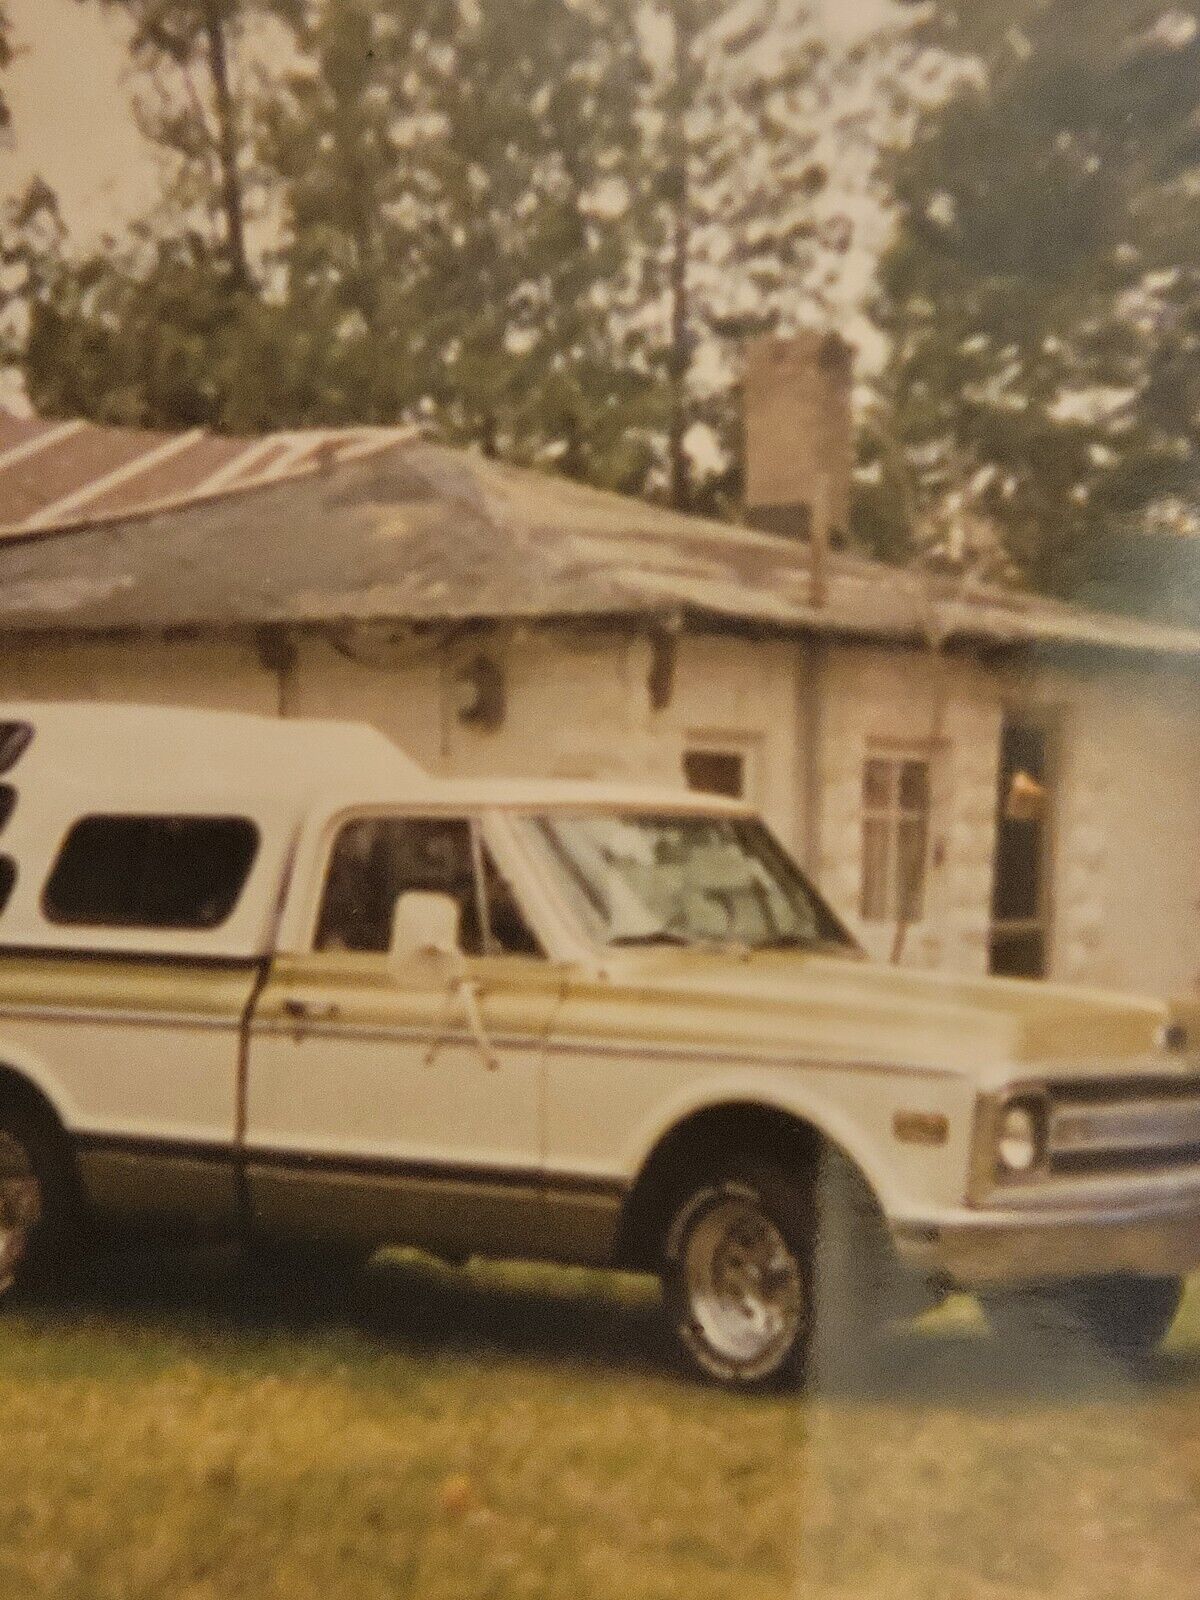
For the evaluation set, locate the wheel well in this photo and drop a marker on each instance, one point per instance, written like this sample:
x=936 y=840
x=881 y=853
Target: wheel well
x=18 y=1094
x=702 y=1139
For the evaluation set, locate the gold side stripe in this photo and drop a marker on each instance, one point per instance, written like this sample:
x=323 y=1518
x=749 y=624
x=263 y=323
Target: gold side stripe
x=586 y=1047
x=376 y=1034
x=103 y=1016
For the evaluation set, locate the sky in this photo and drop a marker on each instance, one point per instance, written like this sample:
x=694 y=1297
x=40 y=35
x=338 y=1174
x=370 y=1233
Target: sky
x=71 y=117
x=71 y=120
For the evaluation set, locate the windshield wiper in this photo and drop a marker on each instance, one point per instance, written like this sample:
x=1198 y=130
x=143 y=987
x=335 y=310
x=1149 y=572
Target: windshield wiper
x=653 y=936
x=800 y=941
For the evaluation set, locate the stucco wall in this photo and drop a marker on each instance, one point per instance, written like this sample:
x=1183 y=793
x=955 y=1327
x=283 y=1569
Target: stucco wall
x=576 y=706
x=1126 y=823
x=227 y=676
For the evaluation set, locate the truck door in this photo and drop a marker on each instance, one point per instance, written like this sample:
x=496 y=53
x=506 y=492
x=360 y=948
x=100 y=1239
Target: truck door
x=372 y=1110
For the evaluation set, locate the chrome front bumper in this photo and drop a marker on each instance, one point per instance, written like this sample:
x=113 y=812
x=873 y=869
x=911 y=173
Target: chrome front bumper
x=979 y=1249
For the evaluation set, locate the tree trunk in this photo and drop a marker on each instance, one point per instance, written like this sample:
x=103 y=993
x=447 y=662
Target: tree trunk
x=678 y=357
x=681 y=488
x=232 y=199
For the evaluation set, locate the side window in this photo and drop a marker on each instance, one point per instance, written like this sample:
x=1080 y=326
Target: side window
x=377 y=859
x=150 y=872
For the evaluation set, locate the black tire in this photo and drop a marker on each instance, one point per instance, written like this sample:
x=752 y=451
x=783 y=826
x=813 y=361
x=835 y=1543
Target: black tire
x=737 y=1275
x=1121 y=1314
x=39 y=1214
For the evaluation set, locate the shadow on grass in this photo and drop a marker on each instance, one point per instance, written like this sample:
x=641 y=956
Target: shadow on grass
x=400 y=1303
x=413 y=1306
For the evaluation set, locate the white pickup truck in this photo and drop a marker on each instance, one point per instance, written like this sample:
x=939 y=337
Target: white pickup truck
x=270 y=978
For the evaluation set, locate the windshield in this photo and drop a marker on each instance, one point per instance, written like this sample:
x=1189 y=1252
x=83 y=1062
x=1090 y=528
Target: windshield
x=647 y=878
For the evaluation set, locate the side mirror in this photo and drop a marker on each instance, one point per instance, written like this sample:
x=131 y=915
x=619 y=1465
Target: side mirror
x=425 y=927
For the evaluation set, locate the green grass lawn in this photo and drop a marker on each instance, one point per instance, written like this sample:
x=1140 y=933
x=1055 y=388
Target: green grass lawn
x=503 y=1432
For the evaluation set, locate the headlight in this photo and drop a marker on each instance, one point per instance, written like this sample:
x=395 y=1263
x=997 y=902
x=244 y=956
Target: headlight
x=1019 y=1142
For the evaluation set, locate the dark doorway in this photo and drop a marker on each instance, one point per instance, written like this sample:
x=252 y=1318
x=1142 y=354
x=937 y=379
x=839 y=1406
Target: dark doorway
x=1020 y=918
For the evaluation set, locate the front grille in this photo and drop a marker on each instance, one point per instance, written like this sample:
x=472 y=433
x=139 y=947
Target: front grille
x=1142 y=1124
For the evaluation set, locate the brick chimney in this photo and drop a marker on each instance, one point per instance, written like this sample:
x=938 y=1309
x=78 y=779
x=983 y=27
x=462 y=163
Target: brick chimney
x=798 y=433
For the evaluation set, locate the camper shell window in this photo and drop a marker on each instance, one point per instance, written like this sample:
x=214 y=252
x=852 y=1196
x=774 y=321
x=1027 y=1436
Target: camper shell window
x=15 y=739
x=150 y=871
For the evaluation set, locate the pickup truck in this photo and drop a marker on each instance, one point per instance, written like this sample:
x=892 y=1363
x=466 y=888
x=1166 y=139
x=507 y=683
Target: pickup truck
x=269 y=978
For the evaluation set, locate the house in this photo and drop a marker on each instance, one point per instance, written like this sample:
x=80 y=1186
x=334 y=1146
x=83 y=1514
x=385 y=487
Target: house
x=978 y=779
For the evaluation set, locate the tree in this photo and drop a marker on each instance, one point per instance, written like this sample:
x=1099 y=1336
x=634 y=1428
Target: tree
x=552 y=225
x=1041 y=294
x=190 y=104
x=348 y=202
x=149 y=335
x=166 y=325
x=547 y=224
x=438 y=167
x=744 y=114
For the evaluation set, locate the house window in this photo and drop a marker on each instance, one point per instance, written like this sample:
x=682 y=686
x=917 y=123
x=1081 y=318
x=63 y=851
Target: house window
x=895 y=837
x=716 y=772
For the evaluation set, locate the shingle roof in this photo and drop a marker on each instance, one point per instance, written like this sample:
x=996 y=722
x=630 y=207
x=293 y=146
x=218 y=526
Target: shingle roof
x=367 y=525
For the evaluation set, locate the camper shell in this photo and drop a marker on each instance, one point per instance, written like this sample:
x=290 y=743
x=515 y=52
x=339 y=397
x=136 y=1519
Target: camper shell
x=291 y=780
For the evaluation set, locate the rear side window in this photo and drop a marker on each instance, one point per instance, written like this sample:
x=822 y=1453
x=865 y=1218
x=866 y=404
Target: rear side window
x=8 y=804
x=150 y=872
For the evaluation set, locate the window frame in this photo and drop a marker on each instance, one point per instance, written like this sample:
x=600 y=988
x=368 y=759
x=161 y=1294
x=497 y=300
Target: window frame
x=894 y=815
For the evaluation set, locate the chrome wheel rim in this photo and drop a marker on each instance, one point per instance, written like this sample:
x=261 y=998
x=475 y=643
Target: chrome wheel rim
x=20 y=1205
x=745 y=1288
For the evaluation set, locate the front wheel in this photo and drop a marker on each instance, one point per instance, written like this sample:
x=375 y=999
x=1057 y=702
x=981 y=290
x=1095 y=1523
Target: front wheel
x=1121 y=1314
x=737 y=1276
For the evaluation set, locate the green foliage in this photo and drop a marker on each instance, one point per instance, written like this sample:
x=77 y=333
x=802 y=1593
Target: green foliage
x=738 y=111
x=173 y=1429
x=712 y=85
x=546 y=224
x=436 y=168
x=191 y=105
x=1041 y=292
x=159 y=341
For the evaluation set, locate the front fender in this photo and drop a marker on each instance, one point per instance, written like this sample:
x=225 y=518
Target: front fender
x=854 y=1112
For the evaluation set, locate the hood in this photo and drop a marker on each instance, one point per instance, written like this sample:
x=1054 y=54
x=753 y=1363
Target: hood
x=835 y=1007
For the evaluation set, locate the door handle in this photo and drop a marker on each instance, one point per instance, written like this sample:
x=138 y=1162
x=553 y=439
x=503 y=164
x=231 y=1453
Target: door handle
x=311 y=1010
